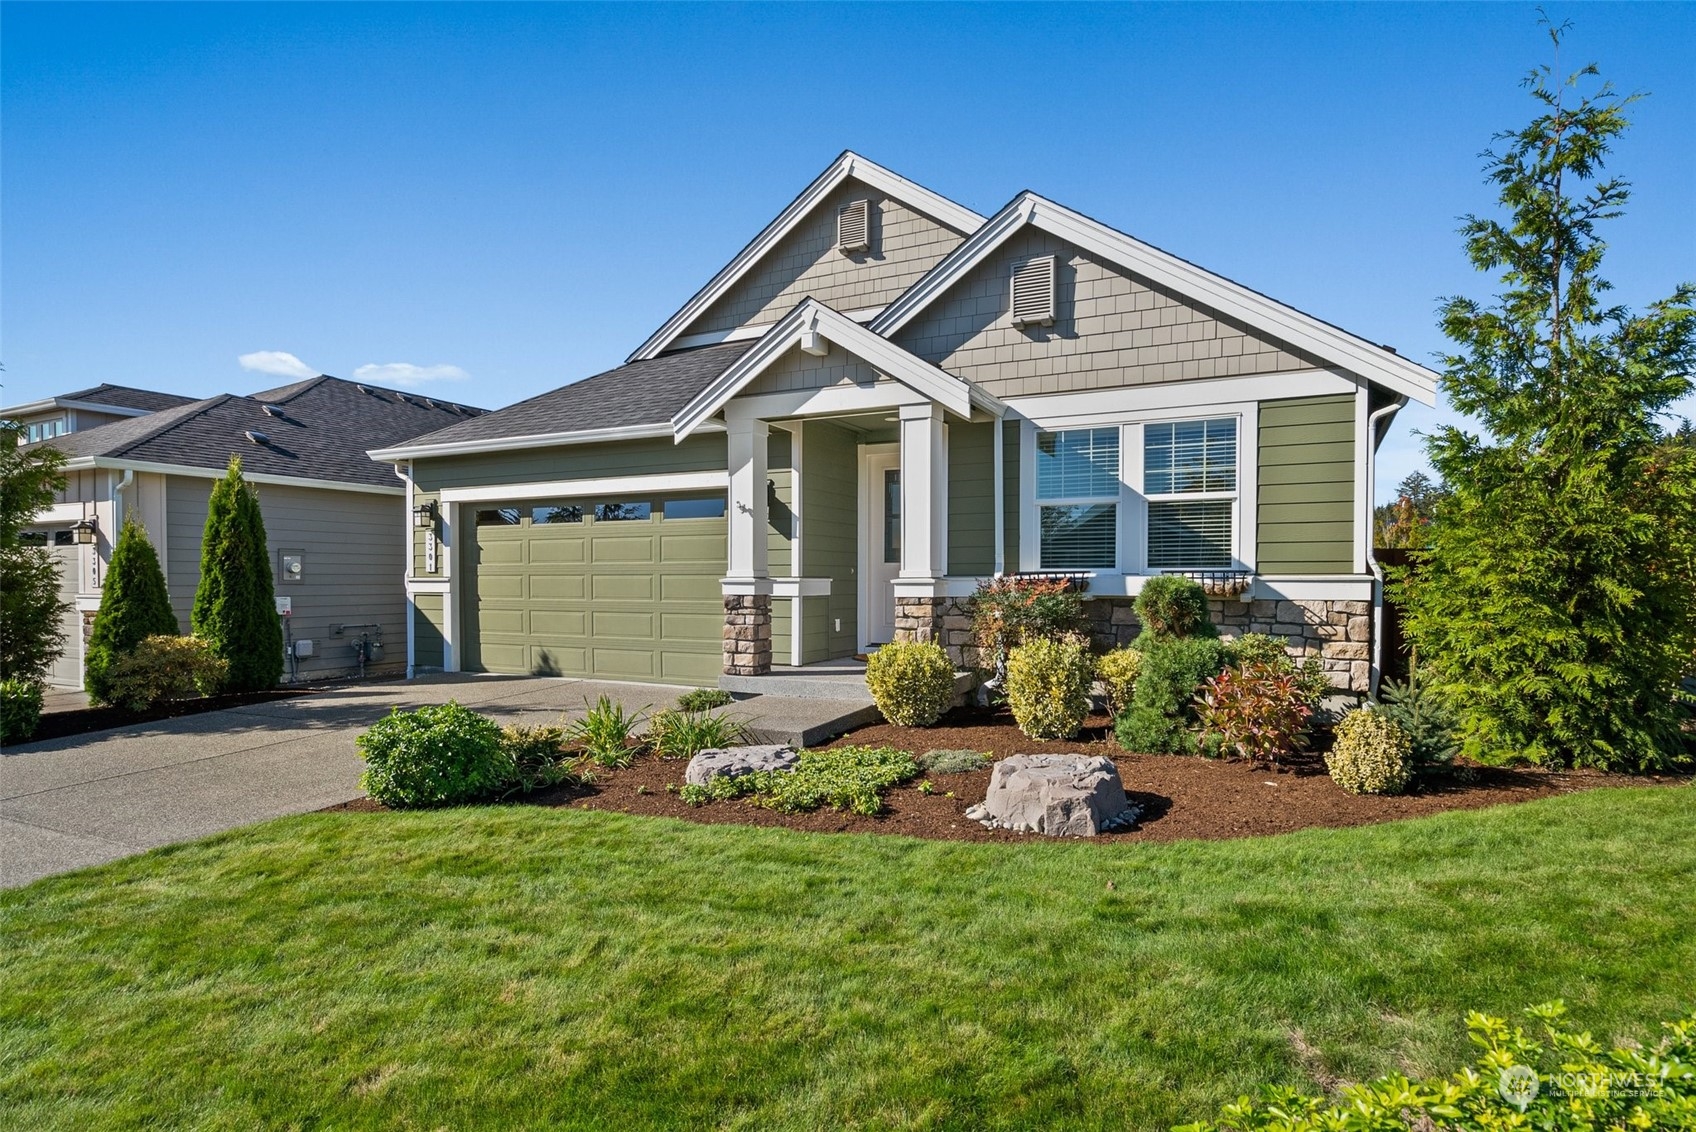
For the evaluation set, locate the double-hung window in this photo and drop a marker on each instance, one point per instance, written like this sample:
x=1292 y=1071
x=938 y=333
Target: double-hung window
x=1190 y=482
x=1077 y=497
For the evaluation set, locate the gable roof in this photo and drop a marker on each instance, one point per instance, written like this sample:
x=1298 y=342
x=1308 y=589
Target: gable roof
x=848 y=164
x=320 y=431
x=1250 y=307
x=813 y=317
x=119 y=400
x=637 y=399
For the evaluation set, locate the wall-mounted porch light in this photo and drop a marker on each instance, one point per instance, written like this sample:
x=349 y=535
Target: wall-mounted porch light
x=85 y=529
x=424 y=515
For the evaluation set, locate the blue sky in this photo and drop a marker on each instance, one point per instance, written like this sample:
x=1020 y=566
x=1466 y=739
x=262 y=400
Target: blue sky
x=508 y=198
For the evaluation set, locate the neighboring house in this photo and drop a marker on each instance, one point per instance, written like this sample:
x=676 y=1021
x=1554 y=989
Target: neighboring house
x=87 y=408
x=330 y=511
x=882 y=400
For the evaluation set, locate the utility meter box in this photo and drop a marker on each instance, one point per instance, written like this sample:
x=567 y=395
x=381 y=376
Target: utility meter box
x=303 y=648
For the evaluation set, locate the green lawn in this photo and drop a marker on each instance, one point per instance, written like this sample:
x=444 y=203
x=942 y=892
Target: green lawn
x=517 y=967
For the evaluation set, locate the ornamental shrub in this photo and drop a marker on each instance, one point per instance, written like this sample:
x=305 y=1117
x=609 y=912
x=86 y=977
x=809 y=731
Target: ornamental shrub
x=163 y=667
x=539 y=760
x=235 y=605
x=1260 y=648
x=703 y=699
x=685 y=734
x=847 y=778
x=952 y=761
x=1007 y=611
x=1117 y=671
x=20 y=710
x=1172 y=605
x=1048 y=686
x=1163 y=703
x=606 y=732
x=433 y=756
x=1430 y=722
x=1562 y=1080
x=1370 y=755
x=134 y=605
x=1256 y=711
x=911 y=682
x=32 y=614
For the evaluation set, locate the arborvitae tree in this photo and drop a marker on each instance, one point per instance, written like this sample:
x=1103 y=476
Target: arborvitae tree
x=1556 y=604
x=134 y=604
x=235 y=609
x=31 y=614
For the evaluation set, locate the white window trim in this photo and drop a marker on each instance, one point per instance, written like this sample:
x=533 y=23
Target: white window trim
x=1133 y=503
x=1117 y=500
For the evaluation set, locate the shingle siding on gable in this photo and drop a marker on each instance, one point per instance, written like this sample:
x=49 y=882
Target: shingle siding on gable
x=905 y=244
x=1111 y=331
x=797 y=371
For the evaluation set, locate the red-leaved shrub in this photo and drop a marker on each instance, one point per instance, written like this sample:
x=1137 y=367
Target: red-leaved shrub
x=1256 y=711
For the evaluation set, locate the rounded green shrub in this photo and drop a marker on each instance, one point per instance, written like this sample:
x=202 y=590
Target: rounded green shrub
x=434 y=756
x=1258 y=648
x=1117 y=671
x=1172 y=605
x=160 y=668
x=911 y=682
x=1048 y=684
x=20 y=709
x=1371 y=754
x=1163 y=702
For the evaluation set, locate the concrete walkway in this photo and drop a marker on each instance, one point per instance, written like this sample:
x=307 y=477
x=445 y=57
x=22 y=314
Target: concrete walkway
x=78 y=801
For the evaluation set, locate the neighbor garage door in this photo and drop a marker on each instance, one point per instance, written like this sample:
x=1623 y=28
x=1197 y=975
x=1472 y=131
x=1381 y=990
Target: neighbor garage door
x=625 y=589
x=67 y=670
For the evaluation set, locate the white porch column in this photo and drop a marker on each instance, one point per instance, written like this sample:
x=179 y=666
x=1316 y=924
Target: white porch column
x=924 y=493
x=747 y=458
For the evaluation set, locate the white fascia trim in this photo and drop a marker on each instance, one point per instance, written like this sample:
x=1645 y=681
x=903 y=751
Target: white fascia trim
x=1248 y=306
x=850 y=164
x=1051 y=409
x=58 y=513
x=810 y=315
x=49 y=403
x=119 y=464
x=743 y=333
x=554 y=489
x=533 y=440
x=800 y=587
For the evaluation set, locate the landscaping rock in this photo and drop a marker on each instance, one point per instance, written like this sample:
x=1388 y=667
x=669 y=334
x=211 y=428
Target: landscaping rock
x=708 y=765
x=1058 y=795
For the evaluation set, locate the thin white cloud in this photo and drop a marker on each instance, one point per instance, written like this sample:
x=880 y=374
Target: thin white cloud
x=407 y=374
x=276 y=362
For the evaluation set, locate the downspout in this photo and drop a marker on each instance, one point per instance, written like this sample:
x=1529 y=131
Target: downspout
x=406 y=568
x=118 y=490
x=1000 y=472
x=1374 y=439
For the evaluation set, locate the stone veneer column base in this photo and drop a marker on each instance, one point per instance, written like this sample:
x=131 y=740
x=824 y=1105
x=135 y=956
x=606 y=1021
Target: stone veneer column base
x=747 y=634
x=946 y=621
x=1339 y=633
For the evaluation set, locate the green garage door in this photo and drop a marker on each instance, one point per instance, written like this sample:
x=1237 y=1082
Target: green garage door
x=624 y=589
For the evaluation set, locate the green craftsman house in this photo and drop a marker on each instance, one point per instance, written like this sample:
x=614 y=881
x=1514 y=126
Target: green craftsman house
x=882 y=400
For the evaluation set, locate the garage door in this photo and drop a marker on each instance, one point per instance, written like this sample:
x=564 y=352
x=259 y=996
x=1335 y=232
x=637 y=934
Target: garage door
x=67 y=670
x=625 y=589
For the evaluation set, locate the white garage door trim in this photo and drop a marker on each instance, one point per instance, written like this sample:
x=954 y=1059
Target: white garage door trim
x=624 y=485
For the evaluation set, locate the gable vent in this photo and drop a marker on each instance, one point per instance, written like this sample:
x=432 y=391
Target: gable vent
x=1033 y=292
x=854 y=227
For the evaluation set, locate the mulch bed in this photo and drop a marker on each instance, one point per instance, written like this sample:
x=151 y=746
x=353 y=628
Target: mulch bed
x=80 y=721
x=1181 y=797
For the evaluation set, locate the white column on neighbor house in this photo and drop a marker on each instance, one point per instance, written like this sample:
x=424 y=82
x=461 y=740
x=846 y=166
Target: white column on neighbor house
x=747 y=458
x=924 y=493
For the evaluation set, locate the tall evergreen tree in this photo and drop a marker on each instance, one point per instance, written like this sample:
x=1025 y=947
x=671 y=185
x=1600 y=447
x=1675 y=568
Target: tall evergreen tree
x=134 y=604
x=31 y=613
x=235 y=608
x=1556 y=603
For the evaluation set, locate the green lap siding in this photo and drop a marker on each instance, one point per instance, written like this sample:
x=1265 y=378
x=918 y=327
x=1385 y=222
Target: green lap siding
x=830 y=491
x=1307 y=507
x=971 y=498
x=427 y=623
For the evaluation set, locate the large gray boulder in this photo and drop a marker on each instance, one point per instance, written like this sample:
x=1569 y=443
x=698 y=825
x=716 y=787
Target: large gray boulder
x=1059 y=795
x=708 y=765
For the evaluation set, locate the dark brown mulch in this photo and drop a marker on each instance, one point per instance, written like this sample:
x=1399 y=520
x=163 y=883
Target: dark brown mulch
x=1181 y=797
x=80 y=721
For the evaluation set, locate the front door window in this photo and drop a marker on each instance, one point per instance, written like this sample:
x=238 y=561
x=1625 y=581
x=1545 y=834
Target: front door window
x=892 y=515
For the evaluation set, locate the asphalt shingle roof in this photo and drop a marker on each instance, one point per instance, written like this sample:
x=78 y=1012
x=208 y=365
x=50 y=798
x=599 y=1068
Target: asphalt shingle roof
x=127 y=397
x=324 y=428
x=647 y=392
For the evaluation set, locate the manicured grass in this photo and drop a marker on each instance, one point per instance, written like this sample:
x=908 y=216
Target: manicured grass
x=521 y=967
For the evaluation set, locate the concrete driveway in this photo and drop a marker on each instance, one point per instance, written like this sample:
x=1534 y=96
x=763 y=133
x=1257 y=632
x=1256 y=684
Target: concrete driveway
x=78 y=801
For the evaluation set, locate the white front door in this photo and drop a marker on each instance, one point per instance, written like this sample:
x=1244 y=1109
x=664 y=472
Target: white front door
x=880 y=548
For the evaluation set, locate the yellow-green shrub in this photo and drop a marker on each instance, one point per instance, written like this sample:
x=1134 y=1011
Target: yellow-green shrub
x=1048 y=686
x=162 y=668
x=911 y=682
x=1117 y=672
x=1371 y=754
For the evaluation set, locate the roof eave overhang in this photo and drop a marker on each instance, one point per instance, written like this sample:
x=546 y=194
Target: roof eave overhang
x=811 y=316
x=848 y=165
x=1332 y=344
x=50 y=403
x=196 y=471
x=403 y=452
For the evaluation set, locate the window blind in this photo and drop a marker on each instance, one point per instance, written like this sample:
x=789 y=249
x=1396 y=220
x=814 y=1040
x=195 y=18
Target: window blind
x=1190 y=534
x=1186 y=456
x=1080 y=463
x=1080 y=536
